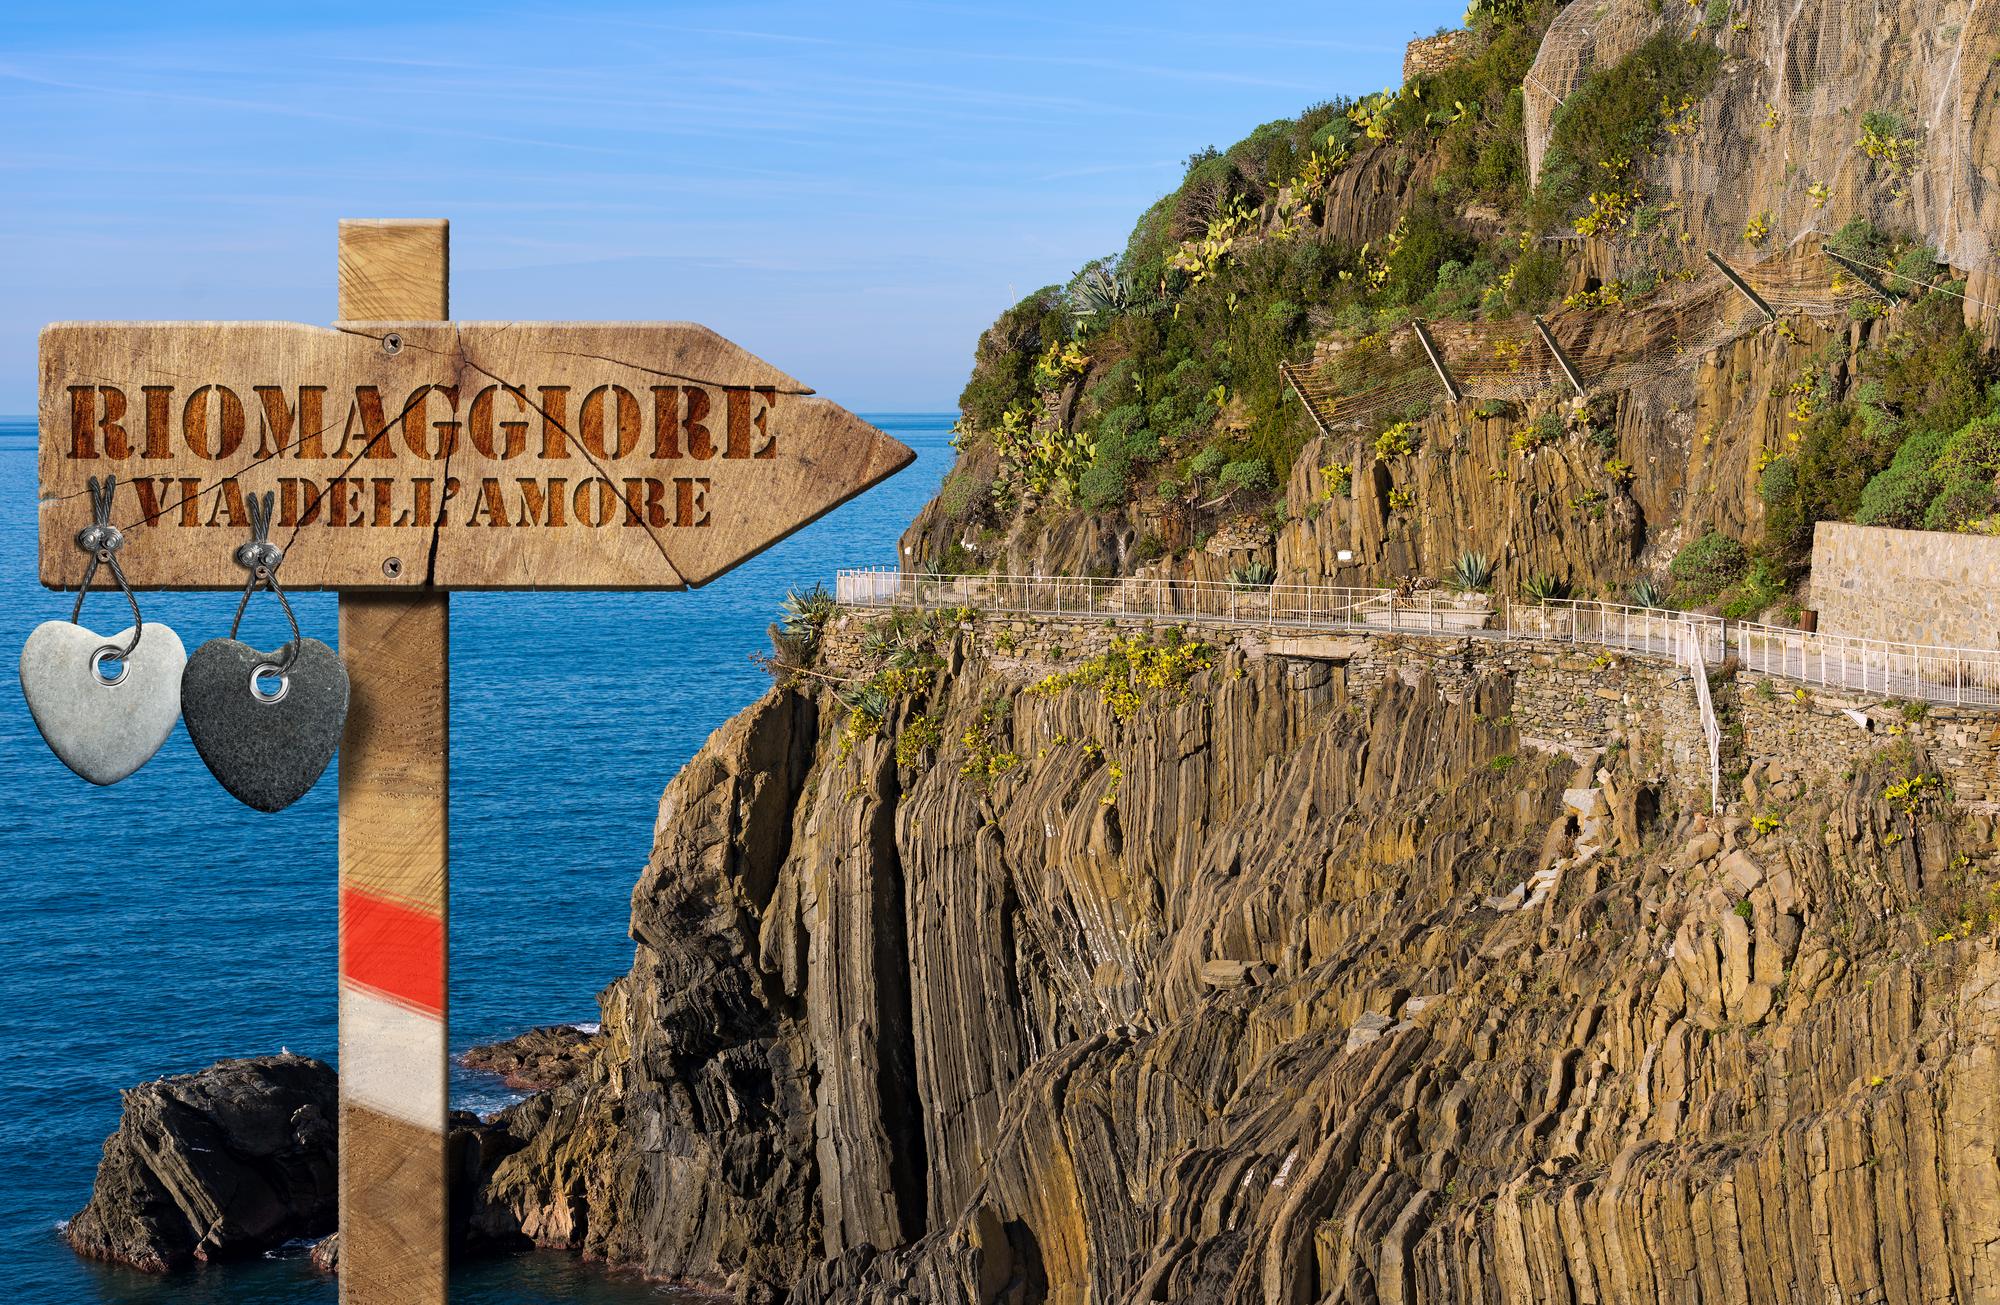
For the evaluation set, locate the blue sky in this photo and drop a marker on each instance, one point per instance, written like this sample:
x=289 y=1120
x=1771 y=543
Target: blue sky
x=852 y=191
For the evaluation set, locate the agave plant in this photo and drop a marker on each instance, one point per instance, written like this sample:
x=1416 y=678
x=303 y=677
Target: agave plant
x=1101 y=293
x=807 y=612
x=878 y=641
x=1471 y=573
x=1252 y=575
x=1646 y=594
x=1544 y=587
x=866 y=700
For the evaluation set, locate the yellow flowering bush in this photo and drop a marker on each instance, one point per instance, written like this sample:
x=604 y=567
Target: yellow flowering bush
x=1397 y=441
x=985 y=760
x=1910 y=793
x=1883 y=140
x=1133 y=667
x=920 y=737
x=1608 y=211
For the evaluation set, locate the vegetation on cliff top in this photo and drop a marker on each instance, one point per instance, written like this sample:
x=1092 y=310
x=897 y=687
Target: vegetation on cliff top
x=1149 y=386
x=1178 y=338
x=1904 y=432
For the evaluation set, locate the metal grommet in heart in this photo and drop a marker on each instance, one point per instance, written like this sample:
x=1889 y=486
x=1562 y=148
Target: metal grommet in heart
x=103 y=726
x=258 y=681
x=266 y=746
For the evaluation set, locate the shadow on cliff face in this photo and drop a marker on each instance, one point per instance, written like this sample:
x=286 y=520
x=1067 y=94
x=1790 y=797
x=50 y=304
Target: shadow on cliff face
x=1248 y=988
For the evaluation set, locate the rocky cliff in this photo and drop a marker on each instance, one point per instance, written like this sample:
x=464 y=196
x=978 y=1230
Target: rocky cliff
x=1172 y=972
x=982 y=961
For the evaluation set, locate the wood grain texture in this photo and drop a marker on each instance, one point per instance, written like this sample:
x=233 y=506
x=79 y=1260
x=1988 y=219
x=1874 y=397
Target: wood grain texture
x=395 y=771
x=468 y=455
x=394 y=758
x=395 y=268
x=391 y=1253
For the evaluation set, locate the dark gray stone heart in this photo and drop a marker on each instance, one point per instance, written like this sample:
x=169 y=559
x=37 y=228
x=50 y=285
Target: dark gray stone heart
x=266 y=749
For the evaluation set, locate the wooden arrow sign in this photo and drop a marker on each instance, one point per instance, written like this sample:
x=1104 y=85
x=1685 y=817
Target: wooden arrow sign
x=410 y=458
x=457 y=455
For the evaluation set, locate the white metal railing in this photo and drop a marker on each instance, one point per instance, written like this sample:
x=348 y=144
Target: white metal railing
x=1711 y=728
x=1953 y=676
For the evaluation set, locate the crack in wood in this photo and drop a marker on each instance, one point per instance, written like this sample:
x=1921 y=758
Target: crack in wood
x=581 y=447
x=678 y=376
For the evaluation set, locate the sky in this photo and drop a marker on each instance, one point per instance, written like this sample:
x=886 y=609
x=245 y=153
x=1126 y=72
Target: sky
x=852 y=191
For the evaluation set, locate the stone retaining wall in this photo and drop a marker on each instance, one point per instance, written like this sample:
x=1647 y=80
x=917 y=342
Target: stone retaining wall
x=1568 y=698
x=1816 y=733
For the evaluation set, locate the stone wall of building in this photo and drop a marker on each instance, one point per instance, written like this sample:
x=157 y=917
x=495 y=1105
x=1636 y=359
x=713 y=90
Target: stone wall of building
x=1908 y=586
x=1434 y=54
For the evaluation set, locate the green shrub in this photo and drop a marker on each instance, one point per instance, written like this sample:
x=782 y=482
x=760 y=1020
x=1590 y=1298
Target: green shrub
x=1538 y=278
x=1461 y=287
x=1250 y=475
x=1616 y=115
x=1430 y=238
x=1706 y=567
x=1884 y=123
x=1762 y=587
x=1860 y=240
x=1104 y=485
x=1901 y=494
x=1206 y=463
x=1003 y=364
x=1914 y=269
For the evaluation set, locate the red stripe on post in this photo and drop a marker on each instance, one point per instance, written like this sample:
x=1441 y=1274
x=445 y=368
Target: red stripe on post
x=395 y=949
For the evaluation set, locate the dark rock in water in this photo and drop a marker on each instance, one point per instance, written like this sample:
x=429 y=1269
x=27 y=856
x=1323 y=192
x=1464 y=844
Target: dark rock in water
x=537 y=1060
x=228 y=1162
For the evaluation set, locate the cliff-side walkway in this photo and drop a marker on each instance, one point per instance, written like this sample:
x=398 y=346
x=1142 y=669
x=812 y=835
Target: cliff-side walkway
x=1958 y=677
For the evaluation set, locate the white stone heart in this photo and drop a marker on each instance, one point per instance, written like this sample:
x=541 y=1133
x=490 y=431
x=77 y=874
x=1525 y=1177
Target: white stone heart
x=102 y=731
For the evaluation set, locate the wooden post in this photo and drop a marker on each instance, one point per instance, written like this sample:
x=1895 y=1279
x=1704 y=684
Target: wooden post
x=394 y=875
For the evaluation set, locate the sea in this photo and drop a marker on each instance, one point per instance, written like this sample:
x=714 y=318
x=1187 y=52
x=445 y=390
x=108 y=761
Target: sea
x=156 y=926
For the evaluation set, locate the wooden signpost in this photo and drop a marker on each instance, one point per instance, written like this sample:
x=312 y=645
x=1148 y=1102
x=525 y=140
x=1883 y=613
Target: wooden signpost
x=411 y=456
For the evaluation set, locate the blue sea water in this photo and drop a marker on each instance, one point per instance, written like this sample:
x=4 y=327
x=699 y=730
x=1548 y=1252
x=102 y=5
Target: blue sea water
x=156 y=926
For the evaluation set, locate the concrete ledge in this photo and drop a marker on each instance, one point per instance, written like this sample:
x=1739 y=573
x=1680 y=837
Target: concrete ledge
x=1317 y=648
